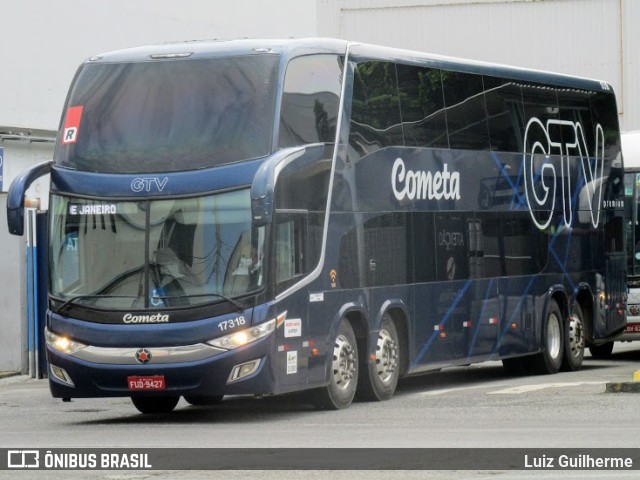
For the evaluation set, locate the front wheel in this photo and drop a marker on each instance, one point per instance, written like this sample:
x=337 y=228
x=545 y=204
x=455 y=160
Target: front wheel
x=574 y=341
x=550 y=359
x=343 y=378
x=148 y=405
x=379 y=378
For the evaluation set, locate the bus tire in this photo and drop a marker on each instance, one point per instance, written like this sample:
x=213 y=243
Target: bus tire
x=149 y=405
x=203 y=400
x=602 y=351
x=343 y=377
x=550 y=359
x=378 y=379
x=574 y=340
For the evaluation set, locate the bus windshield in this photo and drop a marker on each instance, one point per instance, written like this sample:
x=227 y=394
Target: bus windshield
x=169 y=115
x=151 y=254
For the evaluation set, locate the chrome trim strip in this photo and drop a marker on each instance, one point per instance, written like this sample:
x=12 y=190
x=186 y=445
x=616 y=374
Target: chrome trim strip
x=159 y=355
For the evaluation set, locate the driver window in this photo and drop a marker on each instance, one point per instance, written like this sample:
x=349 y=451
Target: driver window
x=291 y=248
x=300 y=204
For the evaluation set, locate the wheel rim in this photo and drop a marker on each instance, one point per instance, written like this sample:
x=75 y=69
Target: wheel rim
x=576 y=336
x=344 y=362
x=553 y=336
x=386 y=356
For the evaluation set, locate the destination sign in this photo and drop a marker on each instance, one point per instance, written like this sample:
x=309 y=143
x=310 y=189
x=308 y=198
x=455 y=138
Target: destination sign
x=92 y=209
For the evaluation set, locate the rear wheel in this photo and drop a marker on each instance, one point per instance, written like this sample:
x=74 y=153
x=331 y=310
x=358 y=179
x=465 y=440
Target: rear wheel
x=343 y=378
x=574 y=341
x=379 y=378
x=601 y=351
x=155 y=404
x=550 y=359
x=203 y=400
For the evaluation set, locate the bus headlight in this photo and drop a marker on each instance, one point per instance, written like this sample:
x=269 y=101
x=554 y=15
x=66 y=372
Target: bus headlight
x=243 y=337
x=62 y=344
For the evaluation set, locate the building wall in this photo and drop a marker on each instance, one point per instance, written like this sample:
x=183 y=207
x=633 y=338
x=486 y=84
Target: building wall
x=12 y=288
x=592 y=38
x=630 y=98
x=13 y=280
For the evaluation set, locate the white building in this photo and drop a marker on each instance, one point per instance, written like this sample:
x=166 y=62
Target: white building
x=44 y=42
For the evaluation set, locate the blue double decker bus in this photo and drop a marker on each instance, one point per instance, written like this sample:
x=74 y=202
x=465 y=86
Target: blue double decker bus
x=269 y=216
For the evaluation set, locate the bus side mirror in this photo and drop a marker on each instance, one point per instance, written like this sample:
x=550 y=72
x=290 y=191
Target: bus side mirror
x=265 y=179
x=17 y=191
x=262 y=210
x=263 y=186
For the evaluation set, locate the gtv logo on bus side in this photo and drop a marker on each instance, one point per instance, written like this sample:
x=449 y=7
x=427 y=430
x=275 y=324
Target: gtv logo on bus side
x=148 y=184
x=564 y=139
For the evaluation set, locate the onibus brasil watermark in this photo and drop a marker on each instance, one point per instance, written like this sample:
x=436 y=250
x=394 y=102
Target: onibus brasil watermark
x=37 y=459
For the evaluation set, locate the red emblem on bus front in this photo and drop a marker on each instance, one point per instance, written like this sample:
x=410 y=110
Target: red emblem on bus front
x=143 y=355
x=72 y=124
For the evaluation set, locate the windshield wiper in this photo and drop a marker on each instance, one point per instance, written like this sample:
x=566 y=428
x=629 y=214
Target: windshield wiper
x=241 y=307
x=72 y=300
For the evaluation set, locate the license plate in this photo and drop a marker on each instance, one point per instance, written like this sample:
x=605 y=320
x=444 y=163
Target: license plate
x=150 y=382
x=632 y=328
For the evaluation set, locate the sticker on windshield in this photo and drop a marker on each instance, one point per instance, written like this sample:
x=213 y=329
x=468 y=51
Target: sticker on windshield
x=72 y=124
x=158 y=297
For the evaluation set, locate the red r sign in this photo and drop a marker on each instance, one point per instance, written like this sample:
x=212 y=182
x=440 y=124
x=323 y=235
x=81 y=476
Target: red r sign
x=72 y=124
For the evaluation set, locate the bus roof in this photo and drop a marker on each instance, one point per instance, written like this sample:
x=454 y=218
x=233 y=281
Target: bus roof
x=305 y=46
x=481 y=68
x=213 y=48
x=631 y=149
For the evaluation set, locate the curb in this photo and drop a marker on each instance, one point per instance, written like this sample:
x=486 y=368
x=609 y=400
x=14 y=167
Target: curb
x=8 y=374
x=625 y=387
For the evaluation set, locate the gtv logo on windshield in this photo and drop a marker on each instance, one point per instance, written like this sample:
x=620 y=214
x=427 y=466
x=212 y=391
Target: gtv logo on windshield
x=542 y=180
x=148 y=184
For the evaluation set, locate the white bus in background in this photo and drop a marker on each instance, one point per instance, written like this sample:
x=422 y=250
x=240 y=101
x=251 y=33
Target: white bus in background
x=631 y=152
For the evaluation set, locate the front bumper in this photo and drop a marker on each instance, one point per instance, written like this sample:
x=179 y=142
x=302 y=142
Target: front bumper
x=631 y=332
x=104 y=372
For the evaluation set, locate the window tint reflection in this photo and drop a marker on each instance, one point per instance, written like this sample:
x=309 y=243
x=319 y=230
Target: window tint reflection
x=375 y=115
x=172 y=115
x=154 y=254
x=466 y=111
x=310 y=100
x=422 y=105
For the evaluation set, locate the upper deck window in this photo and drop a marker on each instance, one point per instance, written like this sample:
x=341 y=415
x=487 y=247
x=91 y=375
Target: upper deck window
x=310 y=100
x=375 y=115
x=422 y=106
x=169 y=115
x=466 y=111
